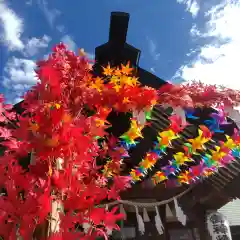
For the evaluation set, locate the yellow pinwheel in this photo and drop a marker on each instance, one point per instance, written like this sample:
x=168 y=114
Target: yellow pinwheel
x=185 y=177
x=170 y=134
x=148 y=162
x=180 y=159
x=230 y=144
x=218 y=154
x=135 y=176
x=158 y=177
x=198 y=142
x=133 y=133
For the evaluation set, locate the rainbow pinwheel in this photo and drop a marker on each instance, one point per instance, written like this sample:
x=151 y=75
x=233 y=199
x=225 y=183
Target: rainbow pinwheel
x=217 y=154
x=198 y=142
x=159 y=177
x=164 y=140
x=230 y=143
x=180 y=159
x=185 y=177
x=135 y=175
x=133 y=133
x=149 y=161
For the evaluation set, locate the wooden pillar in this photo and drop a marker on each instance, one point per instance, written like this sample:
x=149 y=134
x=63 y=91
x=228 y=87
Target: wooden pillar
x=200 y=220
x=202 y=227
x=41 y=231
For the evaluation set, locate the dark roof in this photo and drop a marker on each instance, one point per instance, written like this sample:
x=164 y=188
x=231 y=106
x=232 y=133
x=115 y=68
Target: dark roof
x=18 y=107
x=117 y=51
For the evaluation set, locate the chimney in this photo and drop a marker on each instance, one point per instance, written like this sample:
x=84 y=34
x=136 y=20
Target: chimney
x=118 y=28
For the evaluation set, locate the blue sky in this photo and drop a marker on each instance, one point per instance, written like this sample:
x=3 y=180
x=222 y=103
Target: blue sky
x=179 y=39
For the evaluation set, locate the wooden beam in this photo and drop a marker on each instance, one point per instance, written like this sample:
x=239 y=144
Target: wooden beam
x=159 y=192
x=232 y=189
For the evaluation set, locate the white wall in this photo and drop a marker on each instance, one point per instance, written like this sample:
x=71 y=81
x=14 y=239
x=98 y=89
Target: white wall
x=232 y=212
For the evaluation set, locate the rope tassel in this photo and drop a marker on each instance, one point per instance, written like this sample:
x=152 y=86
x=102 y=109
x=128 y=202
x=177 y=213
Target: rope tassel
x=169 y=211
x=182 y=218
x=122 y=210
x=158 y=222
x=141 y=226
x=145 y=215
x=140 y=116
x=109 y=231
x=181 y=113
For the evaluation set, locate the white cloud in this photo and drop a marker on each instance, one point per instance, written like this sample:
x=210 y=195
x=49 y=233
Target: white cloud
x=50 y=14
x=60 y=28
x=18 y=74
x=194 y=32
x=192 y=6
x=153 y=49
x=191 y=52
x=19 y=71
x=35 y=44
x=19 y=77
x=29 y=2
x=152 y=69
x=69 y=42
x=45 y=56
x=218 y=60
x=12 y=28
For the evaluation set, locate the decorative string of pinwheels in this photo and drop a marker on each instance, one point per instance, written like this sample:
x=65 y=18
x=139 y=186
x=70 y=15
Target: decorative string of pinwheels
x=210 y=159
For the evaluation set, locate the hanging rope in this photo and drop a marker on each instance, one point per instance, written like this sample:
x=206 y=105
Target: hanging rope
x=147 y=205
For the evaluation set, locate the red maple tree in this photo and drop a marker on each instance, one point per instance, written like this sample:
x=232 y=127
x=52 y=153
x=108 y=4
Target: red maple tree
x=62 y=138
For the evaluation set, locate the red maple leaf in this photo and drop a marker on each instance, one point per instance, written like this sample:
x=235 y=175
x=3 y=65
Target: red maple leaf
x=5 y=133
x=111 y=218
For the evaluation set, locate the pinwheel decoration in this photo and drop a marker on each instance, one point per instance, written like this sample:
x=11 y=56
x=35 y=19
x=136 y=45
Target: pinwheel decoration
x=195 y=160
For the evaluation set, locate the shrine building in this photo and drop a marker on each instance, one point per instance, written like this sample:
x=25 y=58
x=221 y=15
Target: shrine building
x=208 y=209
